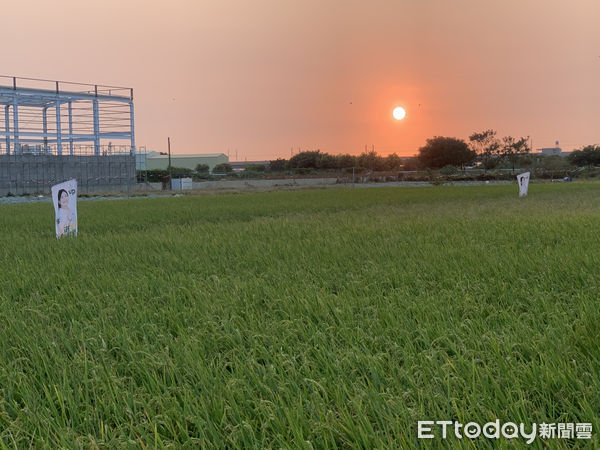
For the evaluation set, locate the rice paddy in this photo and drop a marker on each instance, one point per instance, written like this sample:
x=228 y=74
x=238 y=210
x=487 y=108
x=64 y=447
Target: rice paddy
x=312 y=319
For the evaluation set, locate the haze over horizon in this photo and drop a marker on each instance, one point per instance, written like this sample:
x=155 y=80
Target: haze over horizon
x=262 y=78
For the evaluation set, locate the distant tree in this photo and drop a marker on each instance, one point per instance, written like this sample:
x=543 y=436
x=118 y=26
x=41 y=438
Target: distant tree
x=512 y=148
x=578 y=158
x=525 y=161
x=448 y=170
x=411 y=164
x=156 y=175
x=587 y=156
x=485 y=144
x=371 y=160
x=325 y=161
x=202 y=169
x=345 y=161
x=393 y=162
x=592 y=154
x=443 y=151
x=368 y=160
x=181 y=172
x=491 y=163
x=255 y=168
x=304 y=160
x=278 y=165
x=318 y=160
x=223 y=168
x=554 y=162
x=254 y=171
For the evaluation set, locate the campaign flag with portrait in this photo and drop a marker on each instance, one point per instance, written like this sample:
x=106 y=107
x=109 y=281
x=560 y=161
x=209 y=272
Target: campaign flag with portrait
x=64 y=196
x=523 y=181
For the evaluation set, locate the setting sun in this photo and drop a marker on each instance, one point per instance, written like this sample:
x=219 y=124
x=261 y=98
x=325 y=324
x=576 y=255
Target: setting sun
x=399 y=113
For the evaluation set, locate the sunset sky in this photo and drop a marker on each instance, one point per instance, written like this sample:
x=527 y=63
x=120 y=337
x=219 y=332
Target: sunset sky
x=263 y=77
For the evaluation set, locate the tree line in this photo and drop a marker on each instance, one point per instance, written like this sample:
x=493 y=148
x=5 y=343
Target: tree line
x=318 y=160
x=484 y=148
x=438 y=152
x=588 y=156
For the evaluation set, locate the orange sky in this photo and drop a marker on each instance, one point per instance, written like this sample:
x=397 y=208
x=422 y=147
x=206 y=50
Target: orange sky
x=260 y=77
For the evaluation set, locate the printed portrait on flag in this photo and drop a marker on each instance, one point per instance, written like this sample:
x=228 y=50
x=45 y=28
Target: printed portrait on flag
x=64 y=197
x=523 y=181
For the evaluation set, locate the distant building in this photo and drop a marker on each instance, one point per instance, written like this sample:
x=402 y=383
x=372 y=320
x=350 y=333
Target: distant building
x=156 y=160
x=550 y=150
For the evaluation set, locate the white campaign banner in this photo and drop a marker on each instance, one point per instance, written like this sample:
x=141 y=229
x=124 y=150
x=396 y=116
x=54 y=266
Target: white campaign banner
x=523 y=180
x=64 y=196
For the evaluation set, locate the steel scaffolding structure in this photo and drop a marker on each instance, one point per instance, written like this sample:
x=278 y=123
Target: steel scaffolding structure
x=42 y=117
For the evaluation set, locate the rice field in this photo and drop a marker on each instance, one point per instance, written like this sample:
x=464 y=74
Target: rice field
x=312 y=319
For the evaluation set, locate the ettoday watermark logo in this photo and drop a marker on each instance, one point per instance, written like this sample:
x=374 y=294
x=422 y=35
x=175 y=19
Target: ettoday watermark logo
x=429 y=429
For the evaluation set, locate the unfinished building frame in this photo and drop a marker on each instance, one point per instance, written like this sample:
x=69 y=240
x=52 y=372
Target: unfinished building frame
x=44 y=117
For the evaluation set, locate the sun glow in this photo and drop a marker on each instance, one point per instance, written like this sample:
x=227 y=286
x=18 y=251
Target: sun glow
x=399 y=113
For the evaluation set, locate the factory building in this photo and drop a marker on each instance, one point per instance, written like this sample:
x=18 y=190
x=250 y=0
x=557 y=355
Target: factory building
x=155 y=160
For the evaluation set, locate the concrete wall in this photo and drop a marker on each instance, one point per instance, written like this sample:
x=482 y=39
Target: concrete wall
x=33 y=174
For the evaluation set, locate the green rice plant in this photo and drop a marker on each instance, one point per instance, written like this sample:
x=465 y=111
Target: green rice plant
x=308 y=319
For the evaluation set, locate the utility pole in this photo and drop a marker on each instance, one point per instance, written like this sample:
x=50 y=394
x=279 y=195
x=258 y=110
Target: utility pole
x=169 y=147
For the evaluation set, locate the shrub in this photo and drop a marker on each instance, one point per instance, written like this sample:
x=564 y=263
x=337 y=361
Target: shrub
x=277 y=165
x=223 y=168
x=448 y=170
x=202 y=169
